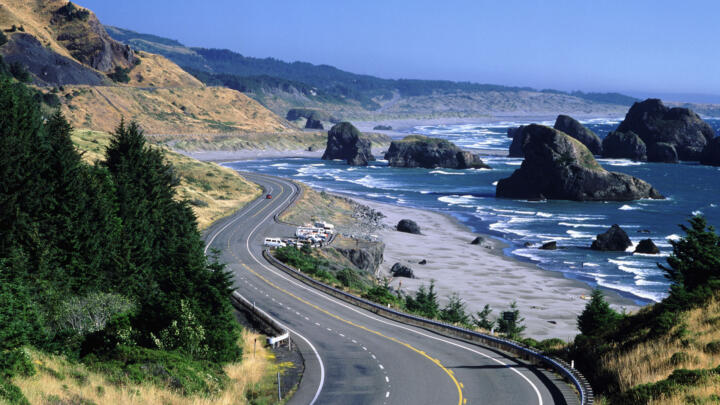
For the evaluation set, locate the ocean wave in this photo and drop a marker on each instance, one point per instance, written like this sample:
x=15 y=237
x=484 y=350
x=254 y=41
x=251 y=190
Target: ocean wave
x=638 y=292
x=494 y=183
x=620 y=162
x=628 y=208
x=588 y=264
x=447 y=173
x=579 y=235
x=697 y=212
x=674 y=237
x=574 y=225
x=278 y=164
x=517 y=212
x=456 y=199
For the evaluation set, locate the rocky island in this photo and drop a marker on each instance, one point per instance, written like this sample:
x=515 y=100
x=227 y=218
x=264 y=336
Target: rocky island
x=559 y=167
x=431 y=153
x=575 y=129
x=669 y=134
x=346 y=142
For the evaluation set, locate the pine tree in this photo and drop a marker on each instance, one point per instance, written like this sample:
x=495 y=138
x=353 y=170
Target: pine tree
x=695 y=262
x=597 y=317
x=454 y=311
x=512 y=328
x=482 y=318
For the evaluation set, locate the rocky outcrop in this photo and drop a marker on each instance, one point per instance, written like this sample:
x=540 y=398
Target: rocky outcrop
x=401 y=270
x=366 y=256
x=559 y=167
x=711 y=153
x=552 y=245
x=624 y=145
x=578 y=131
x=48 y=67
x=408 y=226
x=313 y=123
x=655 y=123
x=345 y=142
x=614 y=239
x=430 y=153
x=382 y=128
x=519 y=139
x=295 y=114
x=662 y=152
x=647 y=246
x=478 y=240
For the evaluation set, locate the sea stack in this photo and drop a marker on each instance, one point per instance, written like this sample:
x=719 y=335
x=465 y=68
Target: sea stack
x=431 y=153
x=580 y=132
x=678 y=127
x=559 y=167
x=614 y=239
x=711 y=153
x=346 y=142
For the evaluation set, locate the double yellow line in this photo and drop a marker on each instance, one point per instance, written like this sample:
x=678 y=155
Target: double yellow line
x=459 y=385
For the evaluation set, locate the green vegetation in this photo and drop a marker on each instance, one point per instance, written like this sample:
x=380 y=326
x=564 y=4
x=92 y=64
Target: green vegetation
x=664 y=351
x=120 y=75
x=512 y=328
x=101 y=263
x=71 y=12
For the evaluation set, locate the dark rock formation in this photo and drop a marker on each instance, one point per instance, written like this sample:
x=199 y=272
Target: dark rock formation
x=313 y=123
x=346 y=142
x=294 y=114
x=552 y=245
x=366 y=256
x=662 y=152
x=578 y=131
x=478 y=240
x=647 y=246
x=382 y=128
x=520 y=138
x=401 y=270
x=711 y=153
x=615 y=239
x=680 y=127
x=423 y=261
x=559 y=167
x=624 y=145
x=430 y=153
x=408 y=226
x=48 y=67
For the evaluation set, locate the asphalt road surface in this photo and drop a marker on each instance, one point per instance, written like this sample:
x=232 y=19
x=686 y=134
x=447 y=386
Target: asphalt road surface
x=353 y=356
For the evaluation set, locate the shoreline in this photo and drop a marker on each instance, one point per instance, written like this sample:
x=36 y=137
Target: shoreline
x=483 y=274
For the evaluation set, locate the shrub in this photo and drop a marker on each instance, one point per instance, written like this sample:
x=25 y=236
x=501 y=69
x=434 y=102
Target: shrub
x=184 y=334
x=18 y=71
x=454 y=312
x=425 y=302
x=713 y=347
x=514 y=328
x=482 y=318
x=120 y=75
x=597 y=317
x=91 y=313
x=11 y=393
x=349 y=278
x=3 y=39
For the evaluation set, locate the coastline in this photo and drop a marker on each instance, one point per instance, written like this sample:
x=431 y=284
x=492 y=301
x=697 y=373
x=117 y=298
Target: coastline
x=483 y=274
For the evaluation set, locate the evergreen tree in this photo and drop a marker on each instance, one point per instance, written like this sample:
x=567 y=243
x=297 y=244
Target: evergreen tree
x=514 y=328
x=695 y=261
x=425 y=302
x=482 y=318
x=163 y=264
x=454 y=311
x=597 y=317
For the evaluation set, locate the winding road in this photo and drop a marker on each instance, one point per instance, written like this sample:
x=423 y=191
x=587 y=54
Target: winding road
x=353 y=356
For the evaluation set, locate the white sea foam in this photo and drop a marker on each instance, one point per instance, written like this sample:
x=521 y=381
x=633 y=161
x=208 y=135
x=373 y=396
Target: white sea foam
x=642 y=293
x=696 y=213
x=514 y=211
x=620 y=162
x=447 y=173
x=494 y=183
x=544 y=214
x=587 y=264
x=278 y=164
x=579 y=235
x=456 y=199
x=673 y=237
x=628 y=208
x=573 y=225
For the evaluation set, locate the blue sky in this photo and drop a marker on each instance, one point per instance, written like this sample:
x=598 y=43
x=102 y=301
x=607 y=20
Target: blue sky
x=640 y=47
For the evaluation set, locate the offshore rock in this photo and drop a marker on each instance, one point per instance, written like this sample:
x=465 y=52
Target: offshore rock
x=578 y=131
x=408 y=226
x=401 y=270
x=430 y=153
x=559 y=167
x=662 y=152
x=711 y=153
x=614 y=239
x=624 y=145
x=345 y=142
x=647 y=246
x=653 y=122
x=520 y=138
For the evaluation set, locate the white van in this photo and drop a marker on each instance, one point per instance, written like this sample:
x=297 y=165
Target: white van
x=274 y=242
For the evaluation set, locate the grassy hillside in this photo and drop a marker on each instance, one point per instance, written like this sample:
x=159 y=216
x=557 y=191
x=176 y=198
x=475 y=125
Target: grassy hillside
x=667 y=353
x=59 y=381
x=213 y=191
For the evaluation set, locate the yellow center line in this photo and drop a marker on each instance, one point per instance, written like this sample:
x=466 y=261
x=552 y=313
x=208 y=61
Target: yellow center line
x=449 y=372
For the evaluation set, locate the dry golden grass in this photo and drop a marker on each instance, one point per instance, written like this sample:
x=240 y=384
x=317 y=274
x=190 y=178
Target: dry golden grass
x=157 y=71
x=221 y=188
x=319 y=206
x=653 y=360
x=705 y=392
x=74 y=383
x=169 y=110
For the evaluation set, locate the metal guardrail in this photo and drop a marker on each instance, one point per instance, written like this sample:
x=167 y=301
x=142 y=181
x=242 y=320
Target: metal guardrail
x=282 y=332
x=514 y=348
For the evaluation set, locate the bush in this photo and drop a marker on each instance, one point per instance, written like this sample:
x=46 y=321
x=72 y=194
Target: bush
x=120 y=75
x=382 y=295
x=11 y=394
x=513 y=329
x=713 y=347
x=71 y=12
x=3 y=39
x=597 y=317
x=91 y=313
x=482 y=318
x=425 y=302
x=18 y=71
x=349 y=278
x=454 y=311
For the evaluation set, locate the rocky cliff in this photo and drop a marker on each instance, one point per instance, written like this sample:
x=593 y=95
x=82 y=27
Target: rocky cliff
x=624 y=145
x=711 y=153
x=559 y=167
x=580 y=132
x=347 y=143
x=679 y=127
x=430 y=153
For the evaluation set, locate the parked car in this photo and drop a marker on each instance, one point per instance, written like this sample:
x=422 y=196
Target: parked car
x=274 y=242
x=269 y=196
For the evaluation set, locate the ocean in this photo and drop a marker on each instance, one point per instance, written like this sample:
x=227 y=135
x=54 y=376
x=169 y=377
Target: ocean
x=469 y=196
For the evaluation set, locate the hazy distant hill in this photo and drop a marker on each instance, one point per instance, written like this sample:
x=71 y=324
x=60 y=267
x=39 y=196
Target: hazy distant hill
x=282 y=85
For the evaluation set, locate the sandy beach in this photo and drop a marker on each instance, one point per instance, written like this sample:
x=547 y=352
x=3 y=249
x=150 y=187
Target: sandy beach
x=482 y=274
